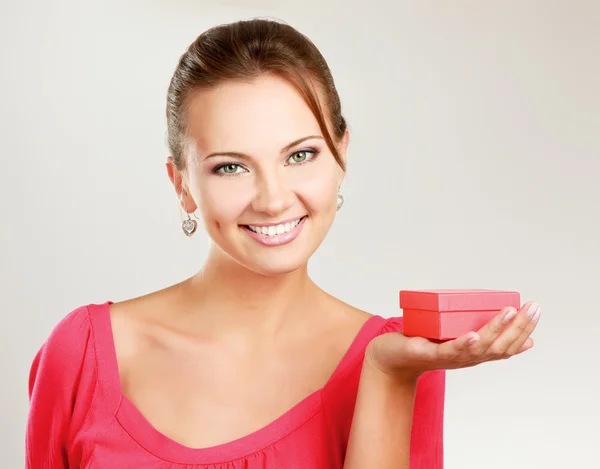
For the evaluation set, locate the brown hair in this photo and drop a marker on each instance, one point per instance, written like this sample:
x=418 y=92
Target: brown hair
x=245 y=50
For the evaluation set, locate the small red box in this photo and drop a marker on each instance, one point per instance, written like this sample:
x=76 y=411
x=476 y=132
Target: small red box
x=447 y=314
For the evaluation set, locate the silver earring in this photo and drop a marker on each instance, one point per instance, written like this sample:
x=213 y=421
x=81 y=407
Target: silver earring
x=340 y=200
x=189 y=226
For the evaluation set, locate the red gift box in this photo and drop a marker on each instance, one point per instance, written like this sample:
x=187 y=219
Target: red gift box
x=447 y=314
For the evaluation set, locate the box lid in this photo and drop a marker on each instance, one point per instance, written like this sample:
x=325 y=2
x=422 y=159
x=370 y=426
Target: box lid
x=459 y=300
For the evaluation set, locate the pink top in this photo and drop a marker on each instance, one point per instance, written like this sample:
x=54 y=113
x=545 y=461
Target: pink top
x=79 y=418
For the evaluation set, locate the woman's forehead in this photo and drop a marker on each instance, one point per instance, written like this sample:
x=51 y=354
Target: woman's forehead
x=262 y=115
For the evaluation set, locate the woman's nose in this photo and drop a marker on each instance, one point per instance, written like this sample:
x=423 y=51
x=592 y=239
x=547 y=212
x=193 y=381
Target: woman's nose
x=273 y=195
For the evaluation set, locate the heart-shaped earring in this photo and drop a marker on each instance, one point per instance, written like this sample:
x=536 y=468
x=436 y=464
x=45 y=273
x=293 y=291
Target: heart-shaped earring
x=189 y=226
x=340 y=201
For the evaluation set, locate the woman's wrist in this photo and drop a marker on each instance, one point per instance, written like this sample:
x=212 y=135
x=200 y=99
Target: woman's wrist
x=397 y=377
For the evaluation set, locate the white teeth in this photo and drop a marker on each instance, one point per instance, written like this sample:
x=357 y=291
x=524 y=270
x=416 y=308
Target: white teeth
x=275 y=229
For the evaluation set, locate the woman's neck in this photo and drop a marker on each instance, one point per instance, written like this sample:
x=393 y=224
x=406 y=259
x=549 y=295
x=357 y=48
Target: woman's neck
x=226 y=295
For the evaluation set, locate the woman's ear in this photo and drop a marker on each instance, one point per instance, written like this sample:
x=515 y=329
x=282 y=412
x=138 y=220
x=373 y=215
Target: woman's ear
x=343 y=149
x=344 y=145
x=177 y=178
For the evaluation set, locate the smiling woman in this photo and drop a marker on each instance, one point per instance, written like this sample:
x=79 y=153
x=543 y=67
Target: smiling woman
x=254 y=154
x=248 y=363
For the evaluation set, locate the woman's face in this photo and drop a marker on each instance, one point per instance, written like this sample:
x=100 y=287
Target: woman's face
x=260 y=173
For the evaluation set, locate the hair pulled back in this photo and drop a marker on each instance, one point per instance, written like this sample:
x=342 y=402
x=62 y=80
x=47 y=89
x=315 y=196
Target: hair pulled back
x=245 y=50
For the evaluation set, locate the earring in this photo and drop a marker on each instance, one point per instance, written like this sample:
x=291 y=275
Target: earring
x=340 y=200
x=189 y=226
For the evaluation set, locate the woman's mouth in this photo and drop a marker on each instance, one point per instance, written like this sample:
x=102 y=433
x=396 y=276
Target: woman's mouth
x=275 y=235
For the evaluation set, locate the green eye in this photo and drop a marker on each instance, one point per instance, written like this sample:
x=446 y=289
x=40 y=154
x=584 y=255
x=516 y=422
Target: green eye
x=228 y=168
x=301 y=156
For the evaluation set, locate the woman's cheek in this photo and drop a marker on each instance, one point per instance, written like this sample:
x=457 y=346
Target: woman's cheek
x=224 y=199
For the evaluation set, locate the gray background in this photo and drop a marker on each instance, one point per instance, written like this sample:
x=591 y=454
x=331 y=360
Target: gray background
x=474 y=163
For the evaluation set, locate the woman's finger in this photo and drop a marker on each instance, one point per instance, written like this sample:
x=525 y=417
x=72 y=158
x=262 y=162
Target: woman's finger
x=452 y=349
x=516 y=332
x=518 y=343
x=529 y=343
x=490 y=332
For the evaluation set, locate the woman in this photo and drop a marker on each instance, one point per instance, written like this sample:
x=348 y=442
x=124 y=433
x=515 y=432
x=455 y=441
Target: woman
x=248 y=363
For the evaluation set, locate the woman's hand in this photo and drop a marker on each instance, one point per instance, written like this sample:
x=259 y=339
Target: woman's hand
x=382 y=423
x=506 y=335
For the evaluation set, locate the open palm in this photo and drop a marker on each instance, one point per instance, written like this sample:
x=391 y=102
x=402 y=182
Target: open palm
x=506 y=335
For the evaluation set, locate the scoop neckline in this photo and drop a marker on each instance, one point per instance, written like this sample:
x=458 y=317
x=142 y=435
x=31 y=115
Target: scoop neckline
x=166 y=448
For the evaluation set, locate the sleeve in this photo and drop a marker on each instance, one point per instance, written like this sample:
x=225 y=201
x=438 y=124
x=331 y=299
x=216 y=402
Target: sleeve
x=427 y=438
x=53 y=385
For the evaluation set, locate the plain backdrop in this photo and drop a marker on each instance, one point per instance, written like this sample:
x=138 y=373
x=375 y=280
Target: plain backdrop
x=474 y=163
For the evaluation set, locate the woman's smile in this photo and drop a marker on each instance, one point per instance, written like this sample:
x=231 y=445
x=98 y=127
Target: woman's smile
x=276 y=234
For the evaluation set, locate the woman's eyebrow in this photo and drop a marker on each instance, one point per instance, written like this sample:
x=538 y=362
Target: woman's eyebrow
x=236 y=154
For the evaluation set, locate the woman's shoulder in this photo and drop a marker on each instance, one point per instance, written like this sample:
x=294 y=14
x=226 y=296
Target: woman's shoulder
x=355 y=328
x=392 y=324
x=372 y=323
x=69 y=338
x=71 y=329
x=66 y=359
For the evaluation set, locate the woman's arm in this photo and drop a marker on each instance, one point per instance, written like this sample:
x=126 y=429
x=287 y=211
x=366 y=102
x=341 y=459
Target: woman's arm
x=57 y=380
x=381 y=429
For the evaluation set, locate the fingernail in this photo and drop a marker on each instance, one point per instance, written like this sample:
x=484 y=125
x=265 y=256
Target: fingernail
x=511 y=314
x=537 y=315
x=473 y=339
x=533 y=310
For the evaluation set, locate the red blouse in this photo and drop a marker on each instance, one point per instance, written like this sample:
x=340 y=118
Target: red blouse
x=79 y=418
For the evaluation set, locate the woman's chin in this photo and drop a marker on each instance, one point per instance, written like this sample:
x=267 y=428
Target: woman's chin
x=277 y=265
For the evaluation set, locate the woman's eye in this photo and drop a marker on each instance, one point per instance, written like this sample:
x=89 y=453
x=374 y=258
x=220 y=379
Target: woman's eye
x=231 y=168
x=301 y=156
